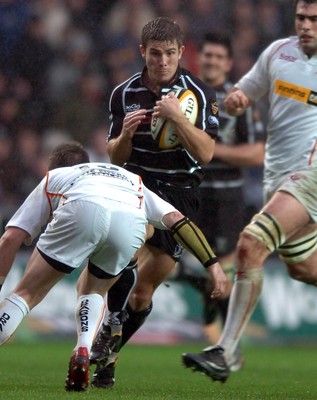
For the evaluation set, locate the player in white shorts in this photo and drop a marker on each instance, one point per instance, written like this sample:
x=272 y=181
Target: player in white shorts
x=286 y=71
x=100 y=212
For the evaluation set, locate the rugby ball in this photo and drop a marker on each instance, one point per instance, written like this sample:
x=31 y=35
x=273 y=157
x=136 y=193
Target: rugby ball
x=163 y=131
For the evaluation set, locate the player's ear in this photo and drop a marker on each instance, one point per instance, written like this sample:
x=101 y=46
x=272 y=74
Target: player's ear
x=181 y=51
x=142 y=50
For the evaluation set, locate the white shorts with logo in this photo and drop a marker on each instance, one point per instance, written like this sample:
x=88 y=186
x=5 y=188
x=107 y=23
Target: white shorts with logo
x=300 y=184
x=106 y=232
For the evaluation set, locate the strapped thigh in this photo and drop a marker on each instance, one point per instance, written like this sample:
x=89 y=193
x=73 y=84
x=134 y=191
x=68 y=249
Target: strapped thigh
x=267 y=230
x=298 y=250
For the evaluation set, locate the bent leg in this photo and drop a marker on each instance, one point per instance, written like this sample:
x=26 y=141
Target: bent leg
x=154 y=267
x=281 y=218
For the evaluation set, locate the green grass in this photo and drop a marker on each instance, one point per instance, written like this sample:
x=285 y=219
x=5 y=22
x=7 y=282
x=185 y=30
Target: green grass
x=37 y=371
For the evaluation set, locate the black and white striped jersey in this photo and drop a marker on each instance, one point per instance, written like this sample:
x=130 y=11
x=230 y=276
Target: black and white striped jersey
x=173 y=166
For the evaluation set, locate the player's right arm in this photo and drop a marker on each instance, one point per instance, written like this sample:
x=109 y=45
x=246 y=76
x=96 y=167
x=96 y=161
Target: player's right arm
x=122 y=129
x=120 y=148
x=23 y=227
x=10 y=243
x=236 y=102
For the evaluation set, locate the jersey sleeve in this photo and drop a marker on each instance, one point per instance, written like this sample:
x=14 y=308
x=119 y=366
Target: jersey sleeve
x=156 y=208
x=210 y=117
x=116 y=114
x=33 y=214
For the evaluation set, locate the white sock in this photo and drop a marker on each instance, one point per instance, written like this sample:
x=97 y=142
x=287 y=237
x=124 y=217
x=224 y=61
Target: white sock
x=12 y=311
x=243 y=299
x=89 y=316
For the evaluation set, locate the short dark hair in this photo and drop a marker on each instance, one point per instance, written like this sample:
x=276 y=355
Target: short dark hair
x=162 y=29
x=68 y=154
x=304 y=1
x=222 y=39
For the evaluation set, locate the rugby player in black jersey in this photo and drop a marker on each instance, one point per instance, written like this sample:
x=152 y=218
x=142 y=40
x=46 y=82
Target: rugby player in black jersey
x=174 y=174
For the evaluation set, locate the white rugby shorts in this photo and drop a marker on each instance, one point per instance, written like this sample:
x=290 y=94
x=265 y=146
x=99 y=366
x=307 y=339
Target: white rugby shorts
x=301 y=184
x=106 y=232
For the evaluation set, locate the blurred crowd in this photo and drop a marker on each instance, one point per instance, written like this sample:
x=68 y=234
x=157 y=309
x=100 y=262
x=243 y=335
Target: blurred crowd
x=60 y=60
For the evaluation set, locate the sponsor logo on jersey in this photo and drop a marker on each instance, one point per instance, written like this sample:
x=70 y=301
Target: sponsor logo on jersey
x=213 y=120
x=287 y=58
x=83 y=315
x=3 y=320
x=296 y=92
x=132 y=107
x=214 y=107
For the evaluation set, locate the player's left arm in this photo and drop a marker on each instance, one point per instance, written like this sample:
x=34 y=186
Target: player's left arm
x=193 y=240
x=241 y=155
x=162 y=215
x=197 y=142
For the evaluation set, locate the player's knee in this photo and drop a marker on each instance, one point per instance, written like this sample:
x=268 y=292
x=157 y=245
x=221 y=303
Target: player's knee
x=251 y=252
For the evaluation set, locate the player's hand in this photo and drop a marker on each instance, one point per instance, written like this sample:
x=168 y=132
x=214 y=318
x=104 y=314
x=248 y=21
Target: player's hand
x=219 y=280
x=131 y=121
x=236 y=102
x=168 y=107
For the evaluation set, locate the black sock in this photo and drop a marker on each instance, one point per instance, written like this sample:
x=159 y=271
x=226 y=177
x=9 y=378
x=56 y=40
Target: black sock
x=119 y=293
x=135 y=320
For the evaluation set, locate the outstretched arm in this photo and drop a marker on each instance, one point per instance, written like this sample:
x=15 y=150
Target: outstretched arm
x=10 y=243
x=192 y=239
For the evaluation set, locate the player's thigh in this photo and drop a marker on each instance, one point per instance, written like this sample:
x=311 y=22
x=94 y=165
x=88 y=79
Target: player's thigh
x=291 y=215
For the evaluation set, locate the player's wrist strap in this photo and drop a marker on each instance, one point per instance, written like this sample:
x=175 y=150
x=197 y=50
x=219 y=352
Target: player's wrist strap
x=192 y=239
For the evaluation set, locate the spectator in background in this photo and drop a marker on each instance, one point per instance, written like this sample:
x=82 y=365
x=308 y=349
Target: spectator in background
x=269 y=22
x=56 y=20
x=14 y=16
x=76 y=58
x=203 y=14
x=31 y=56
x=83 y=110
x=98 y=145
x=121 y=30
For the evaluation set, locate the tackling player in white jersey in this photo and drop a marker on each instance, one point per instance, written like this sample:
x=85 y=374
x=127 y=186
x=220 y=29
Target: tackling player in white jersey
x=286 y=71
x=100 y=213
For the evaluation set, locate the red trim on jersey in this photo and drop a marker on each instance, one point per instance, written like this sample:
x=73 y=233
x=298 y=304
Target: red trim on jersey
x=49 y=195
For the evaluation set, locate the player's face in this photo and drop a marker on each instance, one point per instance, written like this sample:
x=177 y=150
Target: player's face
x=306 y=27
x=214 y=64
x=161 y=59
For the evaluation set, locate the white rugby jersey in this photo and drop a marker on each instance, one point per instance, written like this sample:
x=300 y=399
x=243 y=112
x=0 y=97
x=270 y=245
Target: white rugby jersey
x=93 y=181
x=289 y=78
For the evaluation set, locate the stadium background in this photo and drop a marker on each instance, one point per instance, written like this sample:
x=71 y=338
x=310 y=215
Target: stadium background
x=60 y=59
